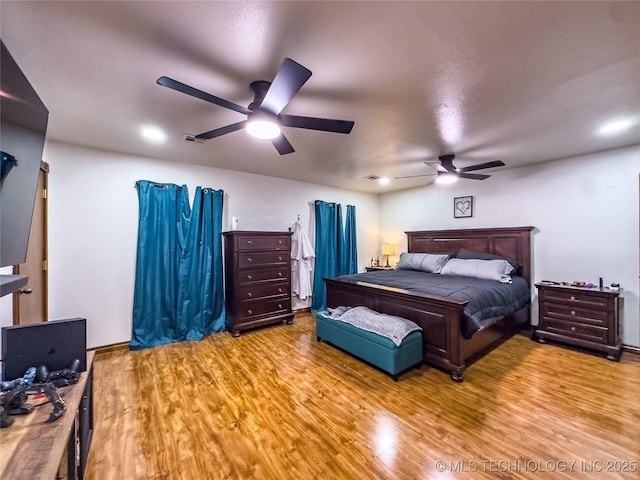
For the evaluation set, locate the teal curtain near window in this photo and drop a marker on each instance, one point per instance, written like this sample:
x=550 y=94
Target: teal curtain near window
x=178 y=287
x=349 y=259
x=335 y=248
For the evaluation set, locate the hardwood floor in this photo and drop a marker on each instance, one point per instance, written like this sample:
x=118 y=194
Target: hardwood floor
x=276 y=404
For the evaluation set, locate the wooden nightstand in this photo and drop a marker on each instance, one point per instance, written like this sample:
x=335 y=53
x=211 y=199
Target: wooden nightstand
x=585 y=317
x=374 y=269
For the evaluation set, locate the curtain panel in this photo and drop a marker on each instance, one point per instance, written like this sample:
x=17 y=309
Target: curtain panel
x=179 y=294
x=336 y=251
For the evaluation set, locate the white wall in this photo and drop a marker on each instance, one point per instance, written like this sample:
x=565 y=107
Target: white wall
x=93 y=222
x=585 y=210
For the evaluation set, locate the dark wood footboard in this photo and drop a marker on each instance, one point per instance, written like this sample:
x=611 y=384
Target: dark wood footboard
x=438 y=317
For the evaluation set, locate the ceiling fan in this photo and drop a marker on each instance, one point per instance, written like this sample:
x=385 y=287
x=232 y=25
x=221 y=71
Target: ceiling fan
x=263 y=114
x=447 y=172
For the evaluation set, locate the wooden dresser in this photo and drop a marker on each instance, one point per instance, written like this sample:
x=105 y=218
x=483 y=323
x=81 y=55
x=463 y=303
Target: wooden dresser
x=585 y=317
x=257 y=279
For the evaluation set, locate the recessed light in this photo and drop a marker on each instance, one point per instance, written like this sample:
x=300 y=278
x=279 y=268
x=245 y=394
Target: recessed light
x=384 y=181
x=153 y=134
x=617 y=126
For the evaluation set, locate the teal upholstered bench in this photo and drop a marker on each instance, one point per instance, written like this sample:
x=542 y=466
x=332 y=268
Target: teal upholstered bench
x=371 y=347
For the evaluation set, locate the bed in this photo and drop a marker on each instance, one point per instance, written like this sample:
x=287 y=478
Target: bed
x=443 y=318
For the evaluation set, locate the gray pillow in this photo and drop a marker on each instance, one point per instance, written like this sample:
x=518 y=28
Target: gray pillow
x=467 y=254
x=424 y=262
x=487 y=269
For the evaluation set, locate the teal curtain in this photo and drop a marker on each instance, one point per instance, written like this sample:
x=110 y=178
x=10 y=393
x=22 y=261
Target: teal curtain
x=349 y=258
x=200 y=294
x=335 y=248
x=178 y=287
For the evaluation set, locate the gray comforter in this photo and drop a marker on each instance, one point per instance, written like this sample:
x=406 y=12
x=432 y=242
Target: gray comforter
x=489 y=300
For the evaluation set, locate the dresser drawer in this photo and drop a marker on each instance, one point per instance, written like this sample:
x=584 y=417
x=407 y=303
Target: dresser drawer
x=267 y=308
x=264 y=291
x=573 y=313
x=576 y=330
x=262 y=259
x=256 y=242
x=577 y=299
x=265 y=275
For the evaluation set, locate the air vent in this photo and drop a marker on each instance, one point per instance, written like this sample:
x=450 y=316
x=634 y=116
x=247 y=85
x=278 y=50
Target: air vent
x=192 y=138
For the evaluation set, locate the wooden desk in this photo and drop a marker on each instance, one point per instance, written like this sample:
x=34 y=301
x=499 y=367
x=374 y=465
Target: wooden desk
x=32 y=449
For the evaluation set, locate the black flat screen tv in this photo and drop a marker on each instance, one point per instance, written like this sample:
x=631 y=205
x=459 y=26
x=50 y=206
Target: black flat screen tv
x=23 y=128
x=55 y=344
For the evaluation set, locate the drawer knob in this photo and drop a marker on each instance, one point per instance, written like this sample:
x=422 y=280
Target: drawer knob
x=573 y=313
x=573 y=329
x=249 y=242
x=249 y=260
x=573 y=299
x=279 y=305
x=279 y=290
x=249 y=277
x=249 y=295
x=249 y=312
x=279 y=274
x=279 y=242
x=279 y=259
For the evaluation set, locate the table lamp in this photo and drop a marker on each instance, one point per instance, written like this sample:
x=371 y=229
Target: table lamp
x=386 y=251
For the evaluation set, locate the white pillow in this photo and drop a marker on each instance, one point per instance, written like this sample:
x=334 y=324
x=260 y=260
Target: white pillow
x=488 y=269
x=424 y=262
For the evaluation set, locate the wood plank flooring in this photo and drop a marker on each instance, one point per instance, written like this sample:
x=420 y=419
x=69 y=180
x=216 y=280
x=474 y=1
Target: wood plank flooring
x=276 y=404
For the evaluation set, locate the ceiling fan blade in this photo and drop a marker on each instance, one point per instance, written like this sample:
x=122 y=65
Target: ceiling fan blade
x=282 y=144
x=288 y=81
x=473 y=176
x=437 y=167
x=480 y=166
x=194 y=92
x=221 y=131
x=312 y=123
x=415 y=176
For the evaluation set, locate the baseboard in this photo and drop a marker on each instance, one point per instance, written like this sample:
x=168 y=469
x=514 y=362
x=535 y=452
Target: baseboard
x=632 y=350
x=111 y=348
x=303 y=310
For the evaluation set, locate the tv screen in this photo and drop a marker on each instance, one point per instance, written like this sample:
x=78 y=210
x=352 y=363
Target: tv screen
x=23 y=127
x=55 y=344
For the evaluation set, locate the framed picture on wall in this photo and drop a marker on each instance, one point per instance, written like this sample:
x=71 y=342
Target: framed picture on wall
x=463 y=207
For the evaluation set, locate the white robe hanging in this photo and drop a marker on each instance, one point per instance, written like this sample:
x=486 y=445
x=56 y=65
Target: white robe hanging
x=302 y=254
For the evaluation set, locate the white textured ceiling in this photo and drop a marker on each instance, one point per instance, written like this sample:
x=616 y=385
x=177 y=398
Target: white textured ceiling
x=523 y=82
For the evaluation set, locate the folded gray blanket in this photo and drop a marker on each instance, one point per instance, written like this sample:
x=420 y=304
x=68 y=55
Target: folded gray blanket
x=393 y=328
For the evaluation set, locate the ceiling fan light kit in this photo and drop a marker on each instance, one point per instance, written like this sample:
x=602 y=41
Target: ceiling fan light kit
x=263 y=129
x=264 y=117
x=446 y=178
x=447 y=172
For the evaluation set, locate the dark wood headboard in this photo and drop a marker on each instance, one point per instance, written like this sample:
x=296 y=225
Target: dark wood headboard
x=509 y=242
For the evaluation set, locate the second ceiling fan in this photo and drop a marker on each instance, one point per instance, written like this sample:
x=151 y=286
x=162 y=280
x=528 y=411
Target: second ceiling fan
x=445 y=169
x=264 y=117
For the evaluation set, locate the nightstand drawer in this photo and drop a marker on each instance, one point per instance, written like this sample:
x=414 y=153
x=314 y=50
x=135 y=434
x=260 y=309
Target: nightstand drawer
x=576 y=330
x=584 y=300
x=574 y=314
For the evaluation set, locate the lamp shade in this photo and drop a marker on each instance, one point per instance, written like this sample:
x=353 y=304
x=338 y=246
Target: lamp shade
x=388 y=249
